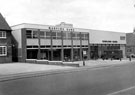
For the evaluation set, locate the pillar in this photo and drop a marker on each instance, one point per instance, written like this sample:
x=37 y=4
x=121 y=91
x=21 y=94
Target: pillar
x=62 y=49
x=51 y=45
x=39 y=52
x=72 y=50
x=80 y=46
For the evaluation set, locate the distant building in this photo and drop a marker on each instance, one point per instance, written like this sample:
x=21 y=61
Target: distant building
x=102 y=42
x=5 y=41
x=64 y=42
x=130 y=46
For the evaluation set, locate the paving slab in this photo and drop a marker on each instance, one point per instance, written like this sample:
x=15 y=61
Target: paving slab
x=15 y=68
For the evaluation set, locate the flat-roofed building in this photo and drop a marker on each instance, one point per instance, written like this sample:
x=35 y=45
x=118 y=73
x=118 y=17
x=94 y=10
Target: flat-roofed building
x=102 y=42
x=66 y=43
x=60 y=42
x=130 y=46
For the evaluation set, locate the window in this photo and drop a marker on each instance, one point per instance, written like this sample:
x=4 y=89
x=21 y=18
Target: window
x=35 y=34
x=42 y=34
x=122 y=37
x=48 y=35
x=86 y=36
x=3 y=50
x=83 y=36
x=64 y=36
x=58 y=35
x=31 y=34
x=2 y=34
x=54 y=35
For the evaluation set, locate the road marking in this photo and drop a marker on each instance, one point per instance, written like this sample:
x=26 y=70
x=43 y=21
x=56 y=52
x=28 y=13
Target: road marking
x=123 y=90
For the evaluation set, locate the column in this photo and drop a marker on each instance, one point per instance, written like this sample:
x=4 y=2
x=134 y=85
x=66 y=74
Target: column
x=80 y=46
x=39 y=52
x=51 y=45
x=88 y=47
x=72 y=50
x=62 y=49
x=24 y=46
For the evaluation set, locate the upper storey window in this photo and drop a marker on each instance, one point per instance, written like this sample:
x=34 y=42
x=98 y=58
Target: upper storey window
x=31 y=34
x=122 y=37
x=3 y=34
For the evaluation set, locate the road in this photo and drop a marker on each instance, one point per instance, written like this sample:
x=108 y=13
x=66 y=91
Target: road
x=106 y=80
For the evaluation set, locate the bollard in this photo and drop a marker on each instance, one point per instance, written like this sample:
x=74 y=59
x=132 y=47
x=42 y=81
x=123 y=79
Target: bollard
x=120 y=59
x=83 y=63
x=129 y=58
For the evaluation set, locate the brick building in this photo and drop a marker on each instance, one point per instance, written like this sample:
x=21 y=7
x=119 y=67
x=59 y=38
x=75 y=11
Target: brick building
x=5 y=41
x=130 y=46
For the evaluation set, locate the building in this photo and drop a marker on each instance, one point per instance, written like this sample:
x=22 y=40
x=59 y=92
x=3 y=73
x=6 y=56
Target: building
x=5 y=41
x=59 y=42
x=64 y=42
x=108 y=42
x=130 y=46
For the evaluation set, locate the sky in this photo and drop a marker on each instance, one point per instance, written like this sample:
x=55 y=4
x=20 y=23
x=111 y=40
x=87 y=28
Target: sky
x=110 y=15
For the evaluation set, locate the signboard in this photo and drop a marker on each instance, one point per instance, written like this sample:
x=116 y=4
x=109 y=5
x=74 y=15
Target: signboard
x=84 y=52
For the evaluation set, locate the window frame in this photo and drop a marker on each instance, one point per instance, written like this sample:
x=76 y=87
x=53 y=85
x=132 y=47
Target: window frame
x=4 y=51
x=4 y=35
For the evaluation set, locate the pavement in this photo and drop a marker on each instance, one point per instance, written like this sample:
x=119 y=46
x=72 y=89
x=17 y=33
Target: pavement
x=100 y=62
x=15 y=68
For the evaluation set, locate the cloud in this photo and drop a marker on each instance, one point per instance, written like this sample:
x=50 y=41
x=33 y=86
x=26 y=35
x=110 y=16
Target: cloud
x=113 y=15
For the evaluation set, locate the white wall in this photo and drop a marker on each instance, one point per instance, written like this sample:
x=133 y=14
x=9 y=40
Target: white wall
x=18 y=37
x=97 y=36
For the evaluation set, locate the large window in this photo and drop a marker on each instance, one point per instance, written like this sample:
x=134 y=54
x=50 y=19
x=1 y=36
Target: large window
x=85 y=36
x=3 y=50
x=42 y=34
x=2 y=34
x=122 y=37
x=31 y=34
x=67 y=35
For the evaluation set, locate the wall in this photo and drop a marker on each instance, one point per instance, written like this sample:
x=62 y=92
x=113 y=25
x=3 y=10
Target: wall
x=7 y=42
x=96 y=37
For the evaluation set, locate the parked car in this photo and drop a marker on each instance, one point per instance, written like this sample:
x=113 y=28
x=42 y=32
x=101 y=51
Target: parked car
x=131 y=55
x=112 y=54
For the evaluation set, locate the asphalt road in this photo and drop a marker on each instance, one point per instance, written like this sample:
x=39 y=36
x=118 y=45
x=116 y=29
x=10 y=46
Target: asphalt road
x=106 y=80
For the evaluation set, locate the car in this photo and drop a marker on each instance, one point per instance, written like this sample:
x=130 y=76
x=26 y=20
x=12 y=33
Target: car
x=132 y=55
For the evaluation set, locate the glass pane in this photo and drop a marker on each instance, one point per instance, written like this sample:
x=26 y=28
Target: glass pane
x=0 y=33
x=0 y=50
x=35 y=34
x=42 y=34
x=29 y=33
x=4 y=34
x=54 y=34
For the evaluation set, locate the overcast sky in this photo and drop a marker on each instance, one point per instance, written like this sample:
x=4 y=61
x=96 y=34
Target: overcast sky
x=112 y=15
